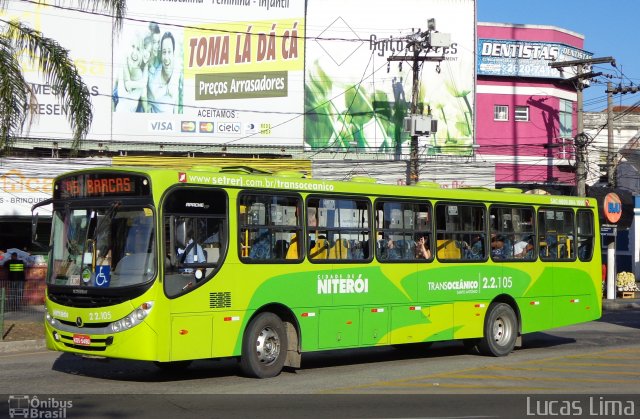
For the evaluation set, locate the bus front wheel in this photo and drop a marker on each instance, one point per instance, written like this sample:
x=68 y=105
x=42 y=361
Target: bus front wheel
x=264 y=347
x=500 y=331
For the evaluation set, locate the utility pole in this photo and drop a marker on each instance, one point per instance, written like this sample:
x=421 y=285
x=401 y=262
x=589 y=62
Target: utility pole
x=580 y=141
x=414 y=156
x=418 y=124
x=611 y=151
x=611 y=174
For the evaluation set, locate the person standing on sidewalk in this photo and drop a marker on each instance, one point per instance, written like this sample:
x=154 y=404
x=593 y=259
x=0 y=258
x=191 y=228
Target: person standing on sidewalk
x=15 y=270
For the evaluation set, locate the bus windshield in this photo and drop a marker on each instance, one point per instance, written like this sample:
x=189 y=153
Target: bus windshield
x=102 y=247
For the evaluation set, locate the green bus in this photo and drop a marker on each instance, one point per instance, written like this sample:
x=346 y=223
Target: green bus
x=172 y=266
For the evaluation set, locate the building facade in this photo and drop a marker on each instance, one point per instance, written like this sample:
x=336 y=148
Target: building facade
x=526 y=110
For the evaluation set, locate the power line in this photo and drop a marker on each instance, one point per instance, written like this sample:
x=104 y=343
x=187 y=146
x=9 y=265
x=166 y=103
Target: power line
x=182 y=26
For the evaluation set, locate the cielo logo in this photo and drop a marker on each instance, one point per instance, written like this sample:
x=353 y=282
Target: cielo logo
x=164 y=126
x=229 y=127
x=33 y=407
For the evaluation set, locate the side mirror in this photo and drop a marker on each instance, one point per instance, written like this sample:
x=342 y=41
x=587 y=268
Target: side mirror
x=34 y=222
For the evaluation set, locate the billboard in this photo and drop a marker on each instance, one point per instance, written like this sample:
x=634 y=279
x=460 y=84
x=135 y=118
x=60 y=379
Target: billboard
x=510 y=58
x=355 y=97
x=257 y=72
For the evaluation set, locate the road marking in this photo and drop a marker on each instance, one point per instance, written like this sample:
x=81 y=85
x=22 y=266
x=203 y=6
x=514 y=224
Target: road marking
x=594 y=364
x=480 y=375
x=624 y=357
x=635 y=374
x=556 y=379
x=11 y=355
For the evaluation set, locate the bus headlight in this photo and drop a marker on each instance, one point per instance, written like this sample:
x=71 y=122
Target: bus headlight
x=50 y=319
x=132 y=319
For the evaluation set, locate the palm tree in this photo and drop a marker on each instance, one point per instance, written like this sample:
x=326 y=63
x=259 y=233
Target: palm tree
x=16 y=96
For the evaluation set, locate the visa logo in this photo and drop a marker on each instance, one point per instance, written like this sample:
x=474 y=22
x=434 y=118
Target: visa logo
x=161 y=125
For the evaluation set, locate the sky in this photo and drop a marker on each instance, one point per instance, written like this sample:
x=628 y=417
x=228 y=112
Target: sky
x=609 y=29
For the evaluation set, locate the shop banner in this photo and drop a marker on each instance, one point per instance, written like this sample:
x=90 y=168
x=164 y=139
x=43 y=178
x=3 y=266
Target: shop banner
x=525 y=58
x=24 y=182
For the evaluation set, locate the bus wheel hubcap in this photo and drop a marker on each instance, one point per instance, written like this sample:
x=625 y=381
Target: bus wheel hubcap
x=267 y=346
x=501 y=331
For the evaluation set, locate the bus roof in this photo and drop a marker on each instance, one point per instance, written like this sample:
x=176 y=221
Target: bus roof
x=246 y=177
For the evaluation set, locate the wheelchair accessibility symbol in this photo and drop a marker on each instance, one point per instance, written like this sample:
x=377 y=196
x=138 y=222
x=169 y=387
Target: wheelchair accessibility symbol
x=103 y=276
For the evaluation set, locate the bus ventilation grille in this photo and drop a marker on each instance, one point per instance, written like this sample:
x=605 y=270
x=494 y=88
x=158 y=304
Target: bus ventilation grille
x=220 y=300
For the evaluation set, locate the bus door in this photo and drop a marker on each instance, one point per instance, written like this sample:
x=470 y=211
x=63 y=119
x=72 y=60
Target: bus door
x=195 y=241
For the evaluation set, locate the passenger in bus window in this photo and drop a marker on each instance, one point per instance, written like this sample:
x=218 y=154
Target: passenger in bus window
x=476 y=248
x=523 y=249
x=188 y=250
x=552 y=246
x=423 y=250
x=390 y=244
x=391 y=251
x=497 y=247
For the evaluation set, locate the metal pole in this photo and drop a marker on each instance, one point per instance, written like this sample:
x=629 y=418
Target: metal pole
x=2 y=296
x=611 y=269
x=414 y=170
x=580 y=145
x=611 y=180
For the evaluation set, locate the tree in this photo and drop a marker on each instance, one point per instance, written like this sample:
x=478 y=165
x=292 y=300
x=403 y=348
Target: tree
x=20 y=42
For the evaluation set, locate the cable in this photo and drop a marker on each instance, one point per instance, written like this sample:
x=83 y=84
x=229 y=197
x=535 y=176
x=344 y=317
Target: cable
x=191 y=27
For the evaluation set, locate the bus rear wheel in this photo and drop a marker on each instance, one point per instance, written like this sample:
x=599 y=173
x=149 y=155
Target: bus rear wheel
x=500 y=331
x=264 y=347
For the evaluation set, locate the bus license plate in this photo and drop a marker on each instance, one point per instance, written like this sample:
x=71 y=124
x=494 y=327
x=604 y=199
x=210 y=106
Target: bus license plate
x=84 y=340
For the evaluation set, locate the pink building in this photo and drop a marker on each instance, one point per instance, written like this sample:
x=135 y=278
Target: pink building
x=525 y=109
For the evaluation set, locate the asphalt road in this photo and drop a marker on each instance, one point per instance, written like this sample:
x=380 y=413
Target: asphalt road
x=596 y=359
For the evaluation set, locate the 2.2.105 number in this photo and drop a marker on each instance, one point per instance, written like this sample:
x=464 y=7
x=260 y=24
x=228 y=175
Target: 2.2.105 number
x=497 y=282
x=99 y=316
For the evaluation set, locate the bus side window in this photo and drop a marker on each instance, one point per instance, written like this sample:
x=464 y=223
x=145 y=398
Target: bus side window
x=268 y=226
x=585 y=235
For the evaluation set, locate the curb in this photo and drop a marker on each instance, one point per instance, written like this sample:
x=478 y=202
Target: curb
x=621 y=304
x=22 y=346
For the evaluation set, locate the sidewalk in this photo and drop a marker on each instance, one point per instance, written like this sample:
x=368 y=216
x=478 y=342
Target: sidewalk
x=23 y=330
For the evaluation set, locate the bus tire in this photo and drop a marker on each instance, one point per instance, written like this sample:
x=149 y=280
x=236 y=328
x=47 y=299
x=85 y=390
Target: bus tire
x=500 y=331
x=264 y=346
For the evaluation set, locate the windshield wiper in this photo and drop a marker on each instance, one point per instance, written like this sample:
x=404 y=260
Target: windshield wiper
x=90 y=241
x=108 y=216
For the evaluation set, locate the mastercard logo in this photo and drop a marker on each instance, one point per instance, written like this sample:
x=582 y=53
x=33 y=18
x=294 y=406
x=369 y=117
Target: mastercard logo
x=188 y=126
x=206 y=126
